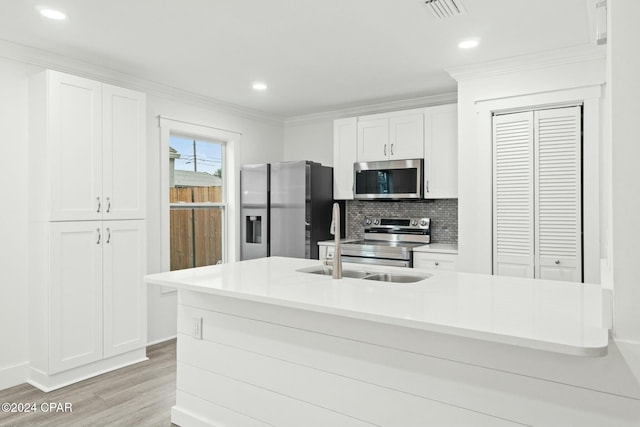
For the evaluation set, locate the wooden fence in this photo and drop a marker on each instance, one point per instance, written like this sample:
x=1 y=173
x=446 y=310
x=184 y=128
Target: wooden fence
x=196 y=234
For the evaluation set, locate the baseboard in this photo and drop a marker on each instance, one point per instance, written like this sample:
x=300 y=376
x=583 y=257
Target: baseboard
x=48 y=383
x=13 y=375
x=161 y=340
x=184 y=418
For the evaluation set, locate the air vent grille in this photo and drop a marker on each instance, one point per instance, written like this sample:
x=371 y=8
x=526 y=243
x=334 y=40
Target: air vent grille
x=445 y=8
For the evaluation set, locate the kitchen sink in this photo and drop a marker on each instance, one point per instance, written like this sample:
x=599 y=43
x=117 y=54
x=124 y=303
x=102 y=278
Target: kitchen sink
x=359 y=274
x=328 y=271
x=397 y=278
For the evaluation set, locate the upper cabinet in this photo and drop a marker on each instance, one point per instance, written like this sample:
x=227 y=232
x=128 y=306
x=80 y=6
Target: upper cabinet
x=427 y=133
x=344 y=156
x=398 y=135
x=90 y=139
x=441 y=152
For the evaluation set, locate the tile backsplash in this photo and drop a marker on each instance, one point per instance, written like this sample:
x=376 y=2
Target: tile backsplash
x=443 y=214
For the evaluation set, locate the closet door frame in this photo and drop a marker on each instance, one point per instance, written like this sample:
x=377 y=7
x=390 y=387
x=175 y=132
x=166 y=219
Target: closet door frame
x=590 y=98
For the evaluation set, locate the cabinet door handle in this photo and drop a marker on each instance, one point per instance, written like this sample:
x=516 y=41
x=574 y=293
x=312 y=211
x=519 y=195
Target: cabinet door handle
x=99 y=236
x=385 y=149
x=108 y=235
x=99 y=204
x=437 y=263
x=108 y=204
x=392 y=149
x=427 y=186
x=557 y=262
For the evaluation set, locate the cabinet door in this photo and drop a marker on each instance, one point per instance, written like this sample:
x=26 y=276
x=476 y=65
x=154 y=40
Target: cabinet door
x=441 y=152
x=406 y=136
x=345 y=141
x=513 y=209
x=373 y=139
x=75 y=304
x=75 y=147
x=124 y=290
x=558 y=234
x=124 y=159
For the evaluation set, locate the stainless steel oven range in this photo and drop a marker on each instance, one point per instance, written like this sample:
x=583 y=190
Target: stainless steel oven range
x=388 y=241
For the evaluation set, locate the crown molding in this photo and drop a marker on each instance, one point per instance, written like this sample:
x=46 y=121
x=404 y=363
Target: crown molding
x=382 y=107
x=552 y=58
x=45 y=59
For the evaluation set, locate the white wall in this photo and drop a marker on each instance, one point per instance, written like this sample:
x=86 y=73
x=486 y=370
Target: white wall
x=309 y=140
x=262 y=141
x=623 y=70
x=13 y=221
x=502 y=80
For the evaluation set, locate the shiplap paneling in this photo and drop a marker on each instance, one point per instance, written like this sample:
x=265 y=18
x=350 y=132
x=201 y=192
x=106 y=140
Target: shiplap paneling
x=440 y=382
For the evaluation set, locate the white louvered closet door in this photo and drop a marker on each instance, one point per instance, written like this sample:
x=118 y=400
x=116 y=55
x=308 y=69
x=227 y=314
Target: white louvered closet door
x=513 y=195
x=558 y=229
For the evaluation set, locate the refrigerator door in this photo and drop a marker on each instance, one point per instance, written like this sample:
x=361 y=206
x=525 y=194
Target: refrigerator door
x=289 y=181
x=254 y=211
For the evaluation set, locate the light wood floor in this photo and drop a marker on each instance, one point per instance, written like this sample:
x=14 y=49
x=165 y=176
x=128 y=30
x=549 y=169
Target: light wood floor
x=138 y=395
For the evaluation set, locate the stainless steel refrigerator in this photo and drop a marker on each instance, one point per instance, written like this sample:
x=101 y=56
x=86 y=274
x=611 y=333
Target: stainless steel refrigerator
x=285 y=209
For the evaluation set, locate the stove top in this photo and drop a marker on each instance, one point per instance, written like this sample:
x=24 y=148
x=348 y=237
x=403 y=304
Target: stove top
x=384 y=243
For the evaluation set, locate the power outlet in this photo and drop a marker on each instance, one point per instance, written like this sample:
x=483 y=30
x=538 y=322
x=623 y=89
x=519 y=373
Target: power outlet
x=197 y=328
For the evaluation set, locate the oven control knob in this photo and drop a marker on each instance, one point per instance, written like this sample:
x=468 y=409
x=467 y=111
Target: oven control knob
x=376 y=222
x=367 y=221
x=423 y=223
x=414 y=222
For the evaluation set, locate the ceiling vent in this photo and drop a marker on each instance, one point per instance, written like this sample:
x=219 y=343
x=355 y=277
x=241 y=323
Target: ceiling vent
x=445 y=8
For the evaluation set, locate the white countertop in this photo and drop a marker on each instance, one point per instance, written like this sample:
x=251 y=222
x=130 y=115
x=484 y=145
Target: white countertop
x=547 y=315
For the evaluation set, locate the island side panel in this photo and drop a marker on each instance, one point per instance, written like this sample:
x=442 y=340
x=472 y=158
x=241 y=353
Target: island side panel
x=284 y=366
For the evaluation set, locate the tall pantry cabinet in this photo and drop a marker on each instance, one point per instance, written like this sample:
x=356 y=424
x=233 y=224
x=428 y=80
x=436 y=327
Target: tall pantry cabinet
x=87 y=237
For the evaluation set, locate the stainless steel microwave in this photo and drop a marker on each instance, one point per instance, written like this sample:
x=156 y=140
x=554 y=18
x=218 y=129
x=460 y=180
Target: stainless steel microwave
x=389 y=179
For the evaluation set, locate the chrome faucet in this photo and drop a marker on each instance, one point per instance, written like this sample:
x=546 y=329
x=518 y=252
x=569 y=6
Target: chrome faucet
x=337 y=253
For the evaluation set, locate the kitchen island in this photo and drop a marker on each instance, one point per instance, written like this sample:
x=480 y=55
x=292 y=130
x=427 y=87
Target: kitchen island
x=261 y=343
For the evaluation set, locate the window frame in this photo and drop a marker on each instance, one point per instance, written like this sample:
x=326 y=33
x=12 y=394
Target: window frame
x=230 y=181
x=208 y=205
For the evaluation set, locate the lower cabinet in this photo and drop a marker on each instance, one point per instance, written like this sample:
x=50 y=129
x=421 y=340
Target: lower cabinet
x=92 y=303
x=434 y=261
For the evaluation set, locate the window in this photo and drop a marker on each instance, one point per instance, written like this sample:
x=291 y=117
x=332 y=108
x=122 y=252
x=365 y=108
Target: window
x=196 y=201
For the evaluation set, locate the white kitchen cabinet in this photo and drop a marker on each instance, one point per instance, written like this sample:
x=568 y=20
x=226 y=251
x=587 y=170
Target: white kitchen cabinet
x=441 y=152
x=434 y=261
x=124 y=295
x=537 y=194
x=344 y=156
x=391 y=136
x=97 y=298
x=75 y=309
x=406 y=135
x=87 y=230
x=91 y=136
x=123 y=153
x=373 y=139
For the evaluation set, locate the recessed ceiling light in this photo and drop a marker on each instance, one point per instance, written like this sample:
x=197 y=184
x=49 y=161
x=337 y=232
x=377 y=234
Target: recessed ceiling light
x=259 y=86
x=468 y=44
x=53 y=14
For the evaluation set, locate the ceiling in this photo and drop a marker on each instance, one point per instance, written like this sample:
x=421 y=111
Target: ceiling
x=314 y=55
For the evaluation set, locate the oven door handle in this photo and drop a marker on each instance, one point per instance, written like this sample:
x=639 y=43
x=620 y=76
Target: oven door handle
x=376 y=261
